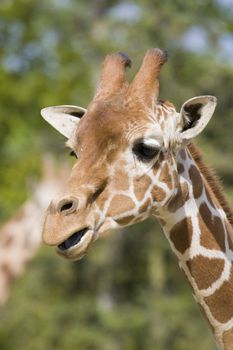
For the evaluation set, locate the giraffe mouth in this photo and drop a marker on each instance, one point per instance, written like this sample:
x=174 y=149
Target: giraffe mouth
x=74 y=239
x=76 y=245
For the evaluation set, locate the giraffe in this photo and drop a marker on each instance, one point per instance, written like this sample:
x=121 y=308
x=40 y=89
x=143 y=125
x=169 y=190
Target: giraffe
x=20 y=236
x=135 y=159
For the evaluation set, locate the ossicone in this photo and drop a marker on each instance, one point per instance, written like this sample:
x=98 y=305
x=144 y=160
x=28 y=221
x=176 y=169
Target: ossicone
x=113 y=74
x=146 y=84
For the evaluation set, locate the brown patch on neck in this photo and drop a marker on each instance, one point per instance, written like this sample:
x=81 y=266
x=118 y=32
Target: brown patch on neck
x=179 y=199
x=181 y=234
x=212 y=230
x=212 y=180
x=221 y=302
x=196 y=180
x=205 y=271
x=228 y=339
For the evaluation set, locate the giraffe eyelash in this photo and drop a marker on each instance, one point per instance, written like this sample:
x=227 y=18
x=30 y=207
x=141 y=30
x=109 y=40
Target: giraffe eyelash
x=73 y=154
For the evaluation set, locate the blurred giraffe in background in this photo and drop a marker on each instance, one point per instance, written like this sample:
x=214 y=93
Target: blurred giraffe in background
x=20 y=236
x=136 y=159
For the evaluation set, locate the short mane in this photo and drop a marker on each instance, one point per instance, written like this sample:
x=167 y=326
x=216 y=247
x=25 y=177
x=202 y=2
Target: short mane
x=212 y=179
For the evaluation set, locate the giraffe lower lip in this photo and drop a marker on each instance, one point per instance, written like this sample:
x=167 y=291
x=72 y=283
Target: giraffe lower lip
x=72 y=240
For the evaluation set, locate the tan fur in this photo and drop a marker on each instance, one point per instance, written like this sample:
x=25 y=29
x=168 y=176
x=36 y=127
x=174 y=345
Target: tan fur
x=113 y=75
x=145 y=85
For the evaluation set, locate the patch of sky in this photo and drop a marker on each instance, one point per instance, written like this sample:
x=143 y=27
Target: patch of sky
x=15 y=34
x=195 y=39
x=62 y=3
x=32 y=51
x=49 y=39
x=125 y=11
x=228 y=4
x=14 y=63
x=226 y=47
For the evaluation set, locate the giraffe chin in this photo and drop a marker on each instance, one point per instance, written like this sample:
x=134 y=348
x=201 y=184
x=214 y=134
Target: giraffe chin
x=76 y=246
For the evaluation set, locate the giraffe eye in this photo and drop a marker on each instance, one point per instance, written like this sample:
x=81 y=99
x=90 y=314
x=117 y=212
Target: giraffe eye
x=144 y=152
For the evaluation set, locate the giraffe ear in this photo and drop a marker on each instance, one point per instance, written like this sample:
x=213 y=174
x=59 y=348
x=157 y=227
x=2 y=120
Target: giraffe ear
x=195 y=115
x=63 y=118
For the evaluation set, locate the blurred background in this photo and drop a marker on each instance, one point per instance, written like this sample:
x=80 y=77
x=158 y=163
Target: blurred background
x=128 y=293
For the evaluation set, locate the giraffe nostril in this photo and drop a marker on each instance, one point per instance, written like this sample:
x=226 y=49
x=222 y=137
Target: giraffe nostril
x=67 y=206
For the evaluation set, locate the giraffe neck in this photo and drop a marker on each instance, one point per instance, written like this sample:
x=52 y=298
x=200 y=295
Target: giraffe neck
x=201 y=236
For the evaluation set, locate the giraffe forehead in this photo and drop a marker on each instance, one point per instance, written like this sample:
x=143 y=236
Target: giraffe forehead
x=113 y=127
x=97 y=132
x=109 y=124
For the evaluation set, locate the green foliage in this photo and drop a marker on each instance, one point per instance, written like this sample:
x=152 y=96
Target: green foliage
x=128 y=293
x=109 y=300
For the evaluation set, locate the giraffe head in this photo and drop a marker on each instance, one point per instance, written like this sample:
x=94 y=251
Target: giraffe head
x=126 y=144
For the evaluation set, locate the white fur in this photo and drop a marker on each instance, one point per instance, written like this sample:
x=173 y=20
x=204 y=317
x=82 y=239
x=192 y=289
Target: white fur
x=61 y=119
